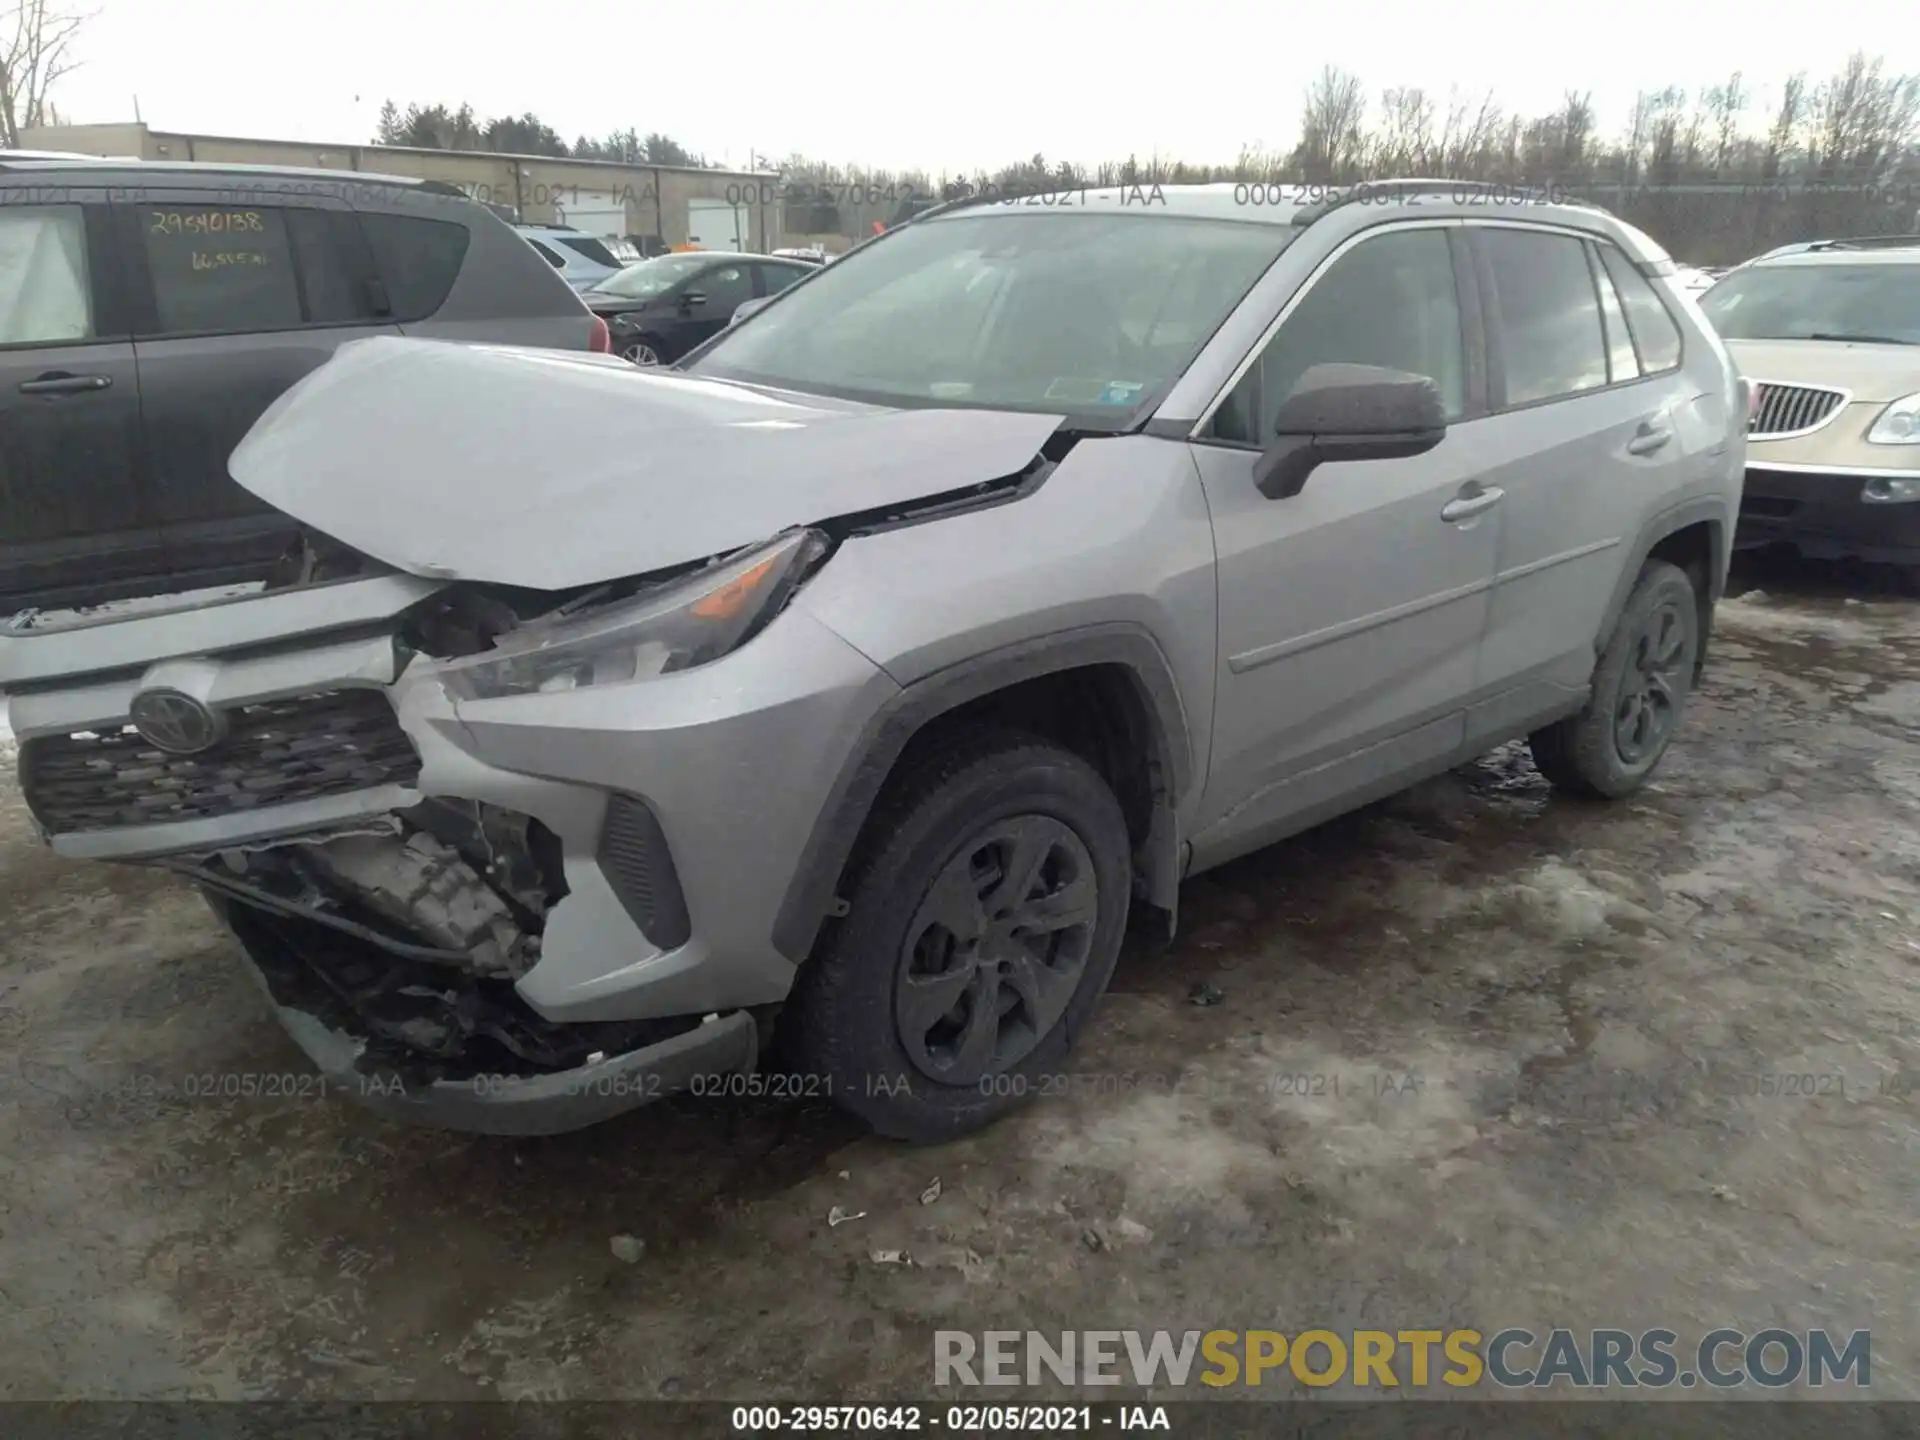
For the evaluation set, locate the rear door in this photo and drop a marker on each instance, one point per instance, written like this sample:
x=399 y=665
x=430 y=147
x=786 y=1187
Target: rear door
x=75 y=525
x=1586 y=440
x=235 y=297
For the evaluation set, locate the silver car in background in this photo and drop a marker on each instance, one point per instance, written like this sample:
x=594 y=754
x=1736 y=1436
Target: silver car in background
x=832 y=701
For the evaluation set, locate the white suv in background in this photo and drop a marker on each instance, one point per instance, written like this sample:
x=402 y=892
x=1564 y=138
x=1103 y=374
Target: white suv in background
x=583 y=260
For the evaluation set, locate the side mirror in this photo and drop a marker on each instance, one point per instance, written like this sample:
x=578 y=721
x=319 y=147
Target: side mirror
x=1349 y=412
x=691 y=299
x=748 y=307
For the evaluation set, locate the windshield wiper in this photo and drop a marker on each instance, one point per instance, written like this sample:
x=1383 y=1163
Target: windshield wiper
x=1865 y=339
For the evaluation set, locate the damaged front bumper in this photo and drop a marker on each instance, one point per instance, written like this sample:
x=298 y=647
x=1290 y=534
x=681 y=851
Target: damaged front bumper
x=671 y=815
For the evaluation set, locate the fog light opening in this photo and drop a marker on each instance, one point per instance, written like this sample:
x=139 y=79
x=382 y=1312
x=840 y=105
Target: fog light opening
x=1882 y=490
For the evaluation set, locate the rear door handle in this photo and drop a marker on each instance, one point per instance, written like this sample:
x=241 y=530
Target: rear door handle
x=60 y=383
x=1651 y=435
x=1466 y=505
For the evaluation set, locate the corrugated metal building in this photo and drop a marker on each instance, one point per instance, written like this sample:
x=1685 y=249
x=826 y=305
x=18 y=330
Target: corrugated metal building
x=716 y=209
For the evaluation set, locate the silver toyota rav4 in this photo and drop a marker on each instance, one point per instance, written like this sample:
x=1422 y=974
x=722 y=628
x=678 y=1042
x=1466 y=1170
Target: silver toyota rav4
x=839 y=694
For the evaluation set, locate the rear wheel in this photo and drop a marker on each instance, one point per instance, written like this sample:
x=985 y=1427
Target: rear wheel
x=986 y=908
x=1639 y=687
x=640 y=352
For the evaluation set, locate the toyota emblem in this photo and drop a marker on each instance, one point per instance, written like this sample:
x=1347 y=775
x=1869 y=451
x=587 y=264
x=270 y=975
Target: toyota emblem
x=176 y=722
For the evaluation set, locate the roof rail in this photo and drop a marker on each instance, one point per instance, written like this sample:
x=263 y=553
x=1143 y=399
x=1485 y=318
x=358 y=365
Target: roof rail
x=1387 y=192
x=1866 y=242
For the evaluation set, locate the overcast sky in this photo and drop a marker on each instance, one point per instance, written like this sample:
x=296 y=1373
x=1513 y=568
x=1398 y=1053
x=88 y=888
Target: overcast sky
x=887 y=83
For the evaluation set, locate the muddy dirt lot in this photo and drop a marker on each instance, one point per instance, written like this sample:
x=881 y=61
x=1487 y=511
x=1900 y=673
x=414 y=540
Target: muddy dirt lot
x=1479 y=1057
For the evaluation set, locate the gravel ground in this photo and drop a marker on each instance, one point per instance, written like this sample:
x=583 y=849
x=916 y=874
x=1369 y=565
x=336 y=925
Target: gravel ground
x=1480 y=1057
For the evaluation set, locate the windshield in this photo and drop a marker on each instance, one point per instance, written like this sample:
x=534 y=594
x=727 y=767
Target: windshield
x=652 y=277
x=1818 y=302
x=1085 y=314
x=593 y=249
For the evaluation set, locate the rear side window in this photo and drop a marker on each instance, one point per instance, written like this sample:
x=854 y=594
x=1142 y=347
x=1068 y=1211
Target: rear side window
x=220 y=268
x=44 y=293
x=1622 y=363
x=332 y=277
x=1548 y=316
x=558 y=262
x=1655 y=336
x=418 y=260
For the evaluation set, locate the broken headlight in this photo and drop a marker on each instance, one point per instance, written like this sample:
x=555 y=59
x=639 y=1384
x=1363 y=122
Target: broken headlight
x=683 y=623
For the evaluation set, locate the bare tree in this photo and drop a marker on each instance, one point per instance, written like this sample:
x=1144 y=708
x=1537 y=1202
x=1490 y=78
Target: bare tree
x=1405 y=144
x=1788 y=121
x=36 y=40
x=1726 y=106
x=1332 y=127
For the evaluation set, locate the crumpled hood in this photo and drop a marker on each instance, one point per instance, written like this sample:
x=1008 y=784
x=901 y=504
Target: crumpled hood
x=1874 y=373
x=550 y=469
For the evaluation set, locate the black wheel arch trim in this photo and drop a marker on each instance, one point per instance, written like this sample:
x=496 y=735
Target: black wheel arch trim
x=1713 y=509
x=810 y=894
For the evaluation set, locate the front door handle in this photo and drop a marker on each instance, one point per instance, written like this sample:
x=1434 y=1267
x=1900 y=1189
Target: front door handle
x=1651 y=435
x=1471 y=502
x=60 y=383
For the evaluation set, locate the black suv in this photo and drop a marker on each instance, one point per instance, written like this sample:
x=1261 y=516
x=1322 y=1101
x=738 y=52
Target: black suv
x=150 y=312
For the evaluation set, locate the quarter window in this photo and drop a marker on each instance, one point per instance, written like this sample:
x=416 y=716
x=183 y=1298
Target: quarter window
x=1390 y=301
x=1655 y=335
x=1547 y=315
x=44 y=293
x=418 y=260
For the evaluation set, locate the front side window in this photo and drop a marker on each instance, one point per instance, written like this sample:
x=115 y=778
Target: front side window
x=1550 y=334
x=219 y=268
x=1865 y=302
x=44 y=294
x=724 y=287
x=651 y=277
x=1391 y=301
x=1081 y=314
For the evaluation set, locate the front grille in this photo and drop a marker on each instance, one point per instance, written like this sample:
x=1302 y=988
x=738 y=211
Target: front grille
x=276 y=752
x=635 y=859
x=1792 y=410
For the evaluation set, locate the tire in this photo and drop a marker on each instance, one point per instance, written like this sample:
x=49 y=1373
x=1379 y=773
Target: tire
x=862 y=1018
x=1640 y=688
x=633 y=350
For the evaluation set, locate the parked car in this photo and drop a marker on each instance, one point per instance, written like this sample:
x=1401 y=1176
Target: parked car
x=583 y=260
x=662 y=308
x=149 y=312
x=1829 y=334
x=806 y=255
x=843 y=692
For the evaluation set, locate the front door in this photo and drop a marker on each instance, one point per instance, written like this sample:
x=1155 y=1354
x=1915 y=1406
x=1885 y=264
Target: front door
x=703 y=304
x=1351 y=614
x=74 y=523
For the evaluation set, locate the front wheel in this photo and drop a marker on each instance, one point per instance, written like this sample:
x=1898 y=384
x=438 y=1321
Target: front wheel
x=986 y=909
x=1645 y=673
x=640 y=352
